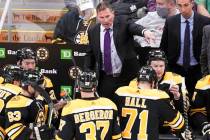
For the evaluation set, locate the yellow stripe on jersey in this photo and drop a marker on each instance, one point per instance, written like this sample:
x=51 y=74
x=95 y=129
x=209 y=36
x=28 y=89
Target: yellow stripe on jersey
x=79 y=105
x=19 y=101
x=1 y=79
x=17 y=133
x=13 y=129
x=2 y=133
x=11 y=88
x=172 y=77
x=198 y=110
x=203 y=83
x=116 y=137
x=58 y=138
x=47 y=82
x=152 y=94
x=177 y=123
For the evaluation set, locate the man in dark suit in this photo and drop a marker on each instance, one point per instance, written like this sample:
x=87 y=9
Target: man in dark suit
x=181 y=41
x=111 y=51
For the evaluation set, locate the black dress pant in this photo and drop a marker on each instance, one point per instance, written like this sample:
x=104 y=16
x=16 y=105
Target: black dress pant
x=108 y=84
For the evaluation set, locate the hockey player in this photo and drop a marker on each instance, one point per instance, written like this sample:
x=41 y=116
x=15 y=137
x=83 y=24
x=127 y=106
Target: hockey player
x=12 y=75
x=91 y=117
x=25 y=115
x=171 y=83
x=27 y=59
x=140 y=109
x=200 y=107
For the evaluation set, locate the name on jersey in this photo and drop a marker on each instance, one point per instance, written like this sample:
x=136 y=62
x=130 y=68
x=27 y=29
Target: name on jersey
x=4 y=94
x=135 y=102
x=93 y=115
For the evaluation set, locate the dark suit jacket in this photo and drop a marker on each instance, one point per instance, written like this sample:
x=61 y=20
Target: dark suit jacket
x=205 y=51
x=170 y=42
x=123 y=32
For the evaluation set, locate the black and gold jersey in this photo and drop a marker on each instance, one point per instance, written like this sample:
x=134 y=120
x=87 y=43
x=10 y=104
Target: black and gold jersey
x=48 y=85
x=21 y=112
x=77 y=32
x=165 y=83
x=91 y=119
x=140 y=111
x=7 y=91
x=200 y=106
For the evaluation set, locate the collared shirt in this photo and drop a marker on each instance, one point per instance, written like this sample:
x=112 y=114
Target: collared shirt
x=116 y=62
x=183 y=26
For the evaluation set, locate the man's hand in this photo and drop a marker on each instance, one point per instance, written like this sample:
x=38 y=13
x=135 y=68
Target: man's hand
x=150 y=37
x=174 y=89
x=60 y=104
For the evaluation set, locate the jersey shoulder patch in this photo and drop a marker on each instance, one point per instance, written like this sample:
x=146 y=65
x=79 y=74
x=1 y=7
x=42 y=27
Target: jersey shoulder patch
x=203 y=83
x=19 y=101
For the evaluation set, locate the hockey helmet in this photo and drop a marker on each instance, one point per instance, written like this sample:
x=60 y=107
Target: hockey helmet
x=156 y=55
x=87 y=81
x=11 y=73
x=26 y=53
x=146 y=73
x=32 y=77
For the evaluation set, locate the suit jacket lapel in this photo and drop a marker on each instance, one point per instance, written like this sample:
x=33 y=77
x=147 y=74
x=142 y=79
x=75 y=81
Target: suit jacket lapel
x=97 y=40
x=195 y=26
x=177 y=29
x=115 y=32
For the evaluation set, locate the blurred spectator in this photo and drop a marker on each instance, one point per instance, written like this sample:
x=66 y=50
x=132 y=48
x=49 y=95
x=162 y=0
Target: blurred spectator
x=203 y=7
x=155 y=21
x=205 y=51
x=73 y=26
x=129 y=7
x=181 y=41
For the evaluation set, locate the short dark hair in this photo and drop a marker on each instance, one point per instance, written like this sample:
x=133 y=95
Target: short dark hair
x=103 y=5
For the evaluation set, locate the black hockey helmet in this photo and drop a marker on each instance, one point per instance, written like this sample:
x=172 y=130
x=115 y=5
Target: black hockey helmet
x=26 y=53
x=156 y=55
x=146 y=73
x=32 y=77
x=87 y=81
x=11 y=73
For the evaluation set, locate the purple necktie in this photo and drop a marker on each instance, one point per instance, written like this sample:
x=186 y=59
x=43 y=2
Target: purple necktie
x=186 y=57
x=107 y=53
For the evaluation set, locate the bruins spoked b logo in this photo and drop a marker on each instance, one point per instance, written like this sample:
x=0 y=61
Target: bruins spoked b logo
x=42 y=53
x=74 y=72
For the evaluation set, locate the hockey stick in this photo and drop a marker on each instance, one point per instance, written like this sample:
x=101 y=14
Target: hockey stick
x=186 y=107
x=47 y=98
